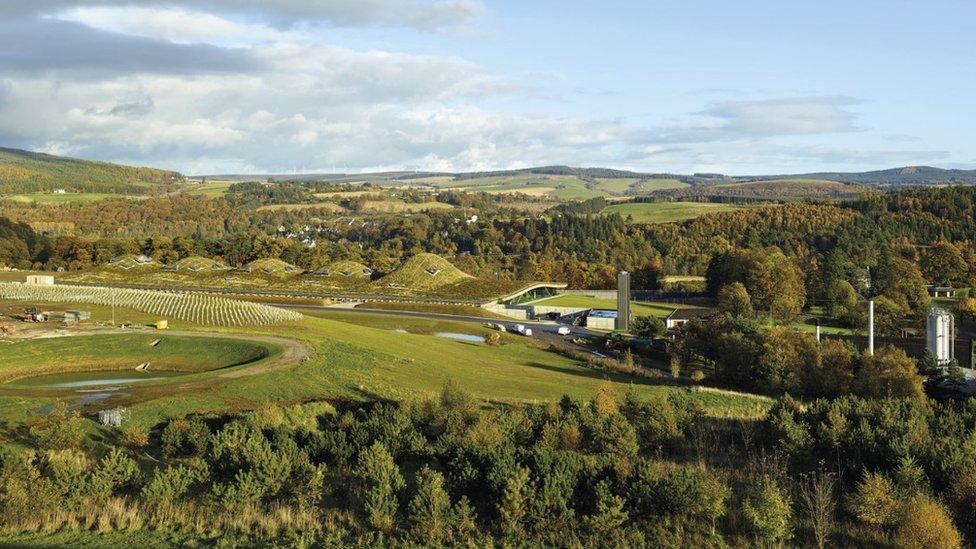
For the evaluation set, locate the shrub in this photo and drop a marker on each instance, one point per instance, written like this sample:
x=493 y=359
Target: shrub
x=926 y=524
x=185 y=438
x=648 y=327
x=172 y=483
x=429 y=511
x=874 y=500
x=767 y=511
x=59 y=429
x=115 y=471
x=380 y=483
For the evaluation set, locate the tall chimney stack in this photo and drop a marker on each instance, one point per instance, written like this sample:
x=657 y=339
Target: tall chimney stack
x=871 y=327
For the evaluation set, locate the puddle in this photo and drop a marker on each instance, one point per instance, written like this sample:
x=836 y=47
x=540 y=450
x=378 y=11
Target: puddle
x=90 y=381
x=461 y=337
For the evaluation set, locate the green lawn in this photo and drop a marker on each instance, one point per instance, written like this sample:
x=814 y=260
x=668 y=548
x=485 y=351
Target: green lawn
x=637 y=308
x=667 y=212
x=107 y=352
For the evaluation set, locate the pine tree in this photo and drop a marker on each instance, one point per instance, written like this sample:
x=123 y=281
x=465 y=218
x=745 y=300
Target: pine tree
x=430 y=509
x=380 y=482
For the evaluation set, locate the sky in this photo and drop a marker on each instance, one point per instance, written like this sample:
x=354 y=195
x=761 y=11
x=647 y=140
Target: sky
x=289 y=86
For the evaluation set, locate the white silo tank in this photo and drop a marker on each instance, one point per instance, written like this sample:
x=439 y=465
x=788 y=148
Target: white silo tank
x=938 y=336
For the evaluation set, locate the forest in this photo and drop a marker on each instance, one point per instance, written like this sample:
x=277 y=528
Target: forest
x=614 y=471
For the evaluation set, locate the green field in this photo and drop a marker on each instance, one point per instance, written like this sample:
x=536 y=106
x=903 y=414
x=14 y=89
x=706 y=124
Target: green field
x=637 y=308
x=360 y=357
x=210 y=189
x=562 y=187
x=624 y=184
x=107 y=352
x=667 y=212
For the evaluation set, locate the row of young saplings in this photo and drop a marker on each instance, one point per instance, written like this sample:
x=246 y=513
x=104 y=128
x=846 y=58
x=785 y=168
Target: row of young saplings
x=200 y=309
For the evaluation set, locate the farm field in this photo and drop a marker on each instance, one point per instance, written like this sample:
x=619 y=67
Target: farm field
x=667 y=212
x=329 y=206
x=622 y=185
x=562 y=187
x=637 y=308
x=210 y=189
x=67 y=198
x=396 y=206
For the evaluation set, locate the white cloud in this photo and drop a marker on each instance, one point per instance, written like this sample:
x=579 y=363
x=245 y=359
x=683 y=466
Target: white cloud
x=175 y=24
x=134 y=84
x=731 y=120
x=421 y=14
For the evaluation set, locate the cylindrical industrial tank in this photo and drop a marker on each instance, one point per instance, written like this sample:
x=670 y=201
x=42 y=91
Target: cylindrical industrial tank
x=939 y=336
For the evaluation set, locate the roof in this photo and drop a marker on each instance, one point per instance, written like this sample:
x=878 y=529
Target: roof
x=689 y=313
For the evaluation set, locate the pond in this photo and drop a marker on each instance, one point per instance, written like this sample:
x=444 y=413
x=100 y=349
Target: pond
x=461 y=337
x=84 y=381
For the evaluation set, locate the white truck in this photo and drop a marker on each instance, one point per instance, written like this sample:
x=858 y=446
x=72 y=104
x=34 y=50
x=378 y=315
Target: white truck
x=563 y=331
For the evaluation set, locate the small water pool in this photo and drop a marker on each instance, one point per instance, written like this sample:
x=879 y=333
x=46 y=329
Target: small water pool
x=92 y=380
x=461 y=337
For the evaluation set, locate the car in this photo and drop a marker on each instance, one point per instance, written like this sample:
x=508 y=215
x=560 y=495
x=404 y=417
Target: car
x=563 y=330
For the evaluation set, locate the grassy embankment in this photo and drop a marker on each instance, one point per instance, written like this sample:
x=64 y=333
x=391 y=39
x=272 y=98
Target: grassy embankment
x=360 y=357
x=637 y=308
x=436 y=308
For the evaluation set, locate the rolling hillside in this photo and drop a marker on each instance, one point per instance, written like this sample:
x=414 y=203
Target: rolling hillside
x=24 y=173
x=908 y=175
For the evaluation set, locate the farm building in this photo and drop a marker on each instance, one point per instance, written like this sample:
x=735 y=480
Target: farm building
x=64 y=316
x=40 y=280
x=941 y=291
x=601 y=319
x=682 y=316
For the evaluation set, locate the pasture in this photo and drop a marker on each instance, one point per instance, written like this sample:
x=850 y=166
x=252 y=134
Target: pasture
x=66 y=198
x=667 y=212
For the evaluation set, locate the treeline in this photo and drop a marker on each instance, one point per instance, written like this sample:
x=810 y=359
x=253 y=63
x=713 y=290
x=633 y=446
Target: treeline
x=746 y=354
x=933 y=229
x=614 y=471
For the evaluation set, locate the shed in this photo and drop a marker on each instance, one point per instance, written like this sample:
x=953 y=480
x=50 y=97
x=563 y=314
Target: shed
x=40 y=280
x=941 y=291
x=678 y=317
x=601 y=319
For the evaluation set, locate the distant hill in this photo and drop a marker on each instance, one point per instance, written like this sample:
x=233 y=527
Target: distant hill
x=32 y=172
x=909 y=175
x=768 y=189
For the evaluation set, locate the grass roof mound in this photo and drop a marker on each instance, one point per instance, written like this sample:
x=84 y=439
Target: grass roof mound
x=271 y=267
x=422 y=273
x=132 y=262
x=198 y=264
x=345 y=270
